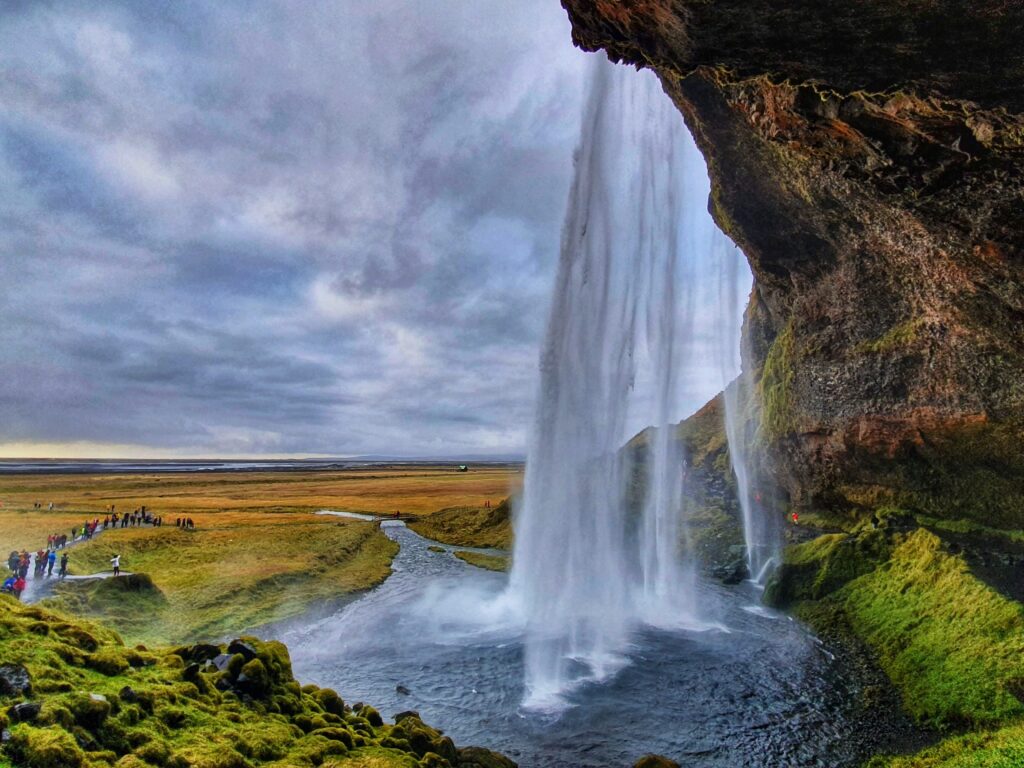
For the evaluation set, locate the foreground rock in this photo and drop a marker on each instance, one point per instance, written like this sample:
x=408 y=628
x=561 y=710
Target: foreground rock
x=75 y=696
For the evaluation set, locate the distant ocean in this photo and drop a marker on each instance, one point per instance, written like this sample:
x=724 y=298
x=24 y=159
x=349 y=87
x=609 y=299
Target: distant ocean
x=118 y=466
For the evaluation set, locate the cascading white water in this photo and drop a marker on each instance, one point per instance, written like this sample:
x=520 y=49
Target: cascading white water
x=742 y=413
x=614 y=330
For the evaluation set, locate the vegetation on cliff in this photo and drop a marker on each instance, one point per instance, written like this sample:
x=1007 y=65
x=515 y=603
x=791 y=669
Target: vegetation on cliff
x=75 y=696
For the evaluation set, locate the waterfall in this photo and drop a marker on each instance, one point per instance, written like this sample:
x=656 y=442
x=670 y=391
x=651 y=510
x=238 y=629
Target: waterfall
x=617 y=325
x=741 y=405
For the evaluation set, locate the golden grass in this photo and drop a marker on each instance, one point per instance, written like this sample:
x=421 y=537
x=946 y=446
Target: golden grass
x=410 y=489
x=240 y=572
x=257 y=555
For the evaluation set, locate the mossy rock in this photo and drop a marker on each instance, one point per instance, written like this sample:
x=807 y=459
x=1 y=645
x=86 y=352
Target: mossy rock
x=335 y=734
x=89 y=710
x=253 y=678
x=50 y=747
x=168 y=714
x=370 y=715
x=330 y=701
x=109 y=661
x=655 y=761
x=315 y=749
x=154 y=751
x=478 y=757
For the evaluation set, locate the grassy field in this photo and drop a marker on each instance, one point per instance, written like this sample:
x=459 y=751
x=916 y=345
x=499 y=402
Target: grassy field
x=258 y=554
x=419 y=490
x=240 y=571
x=469 y=526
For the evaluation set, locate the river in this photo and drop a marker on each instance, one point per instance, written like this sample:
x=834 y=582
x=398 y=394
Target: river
x=761 y=691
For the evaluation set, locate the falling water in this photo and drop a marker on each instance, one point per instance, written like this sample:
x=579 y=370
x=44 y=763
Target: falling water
x=612 y=340
x=741 y=402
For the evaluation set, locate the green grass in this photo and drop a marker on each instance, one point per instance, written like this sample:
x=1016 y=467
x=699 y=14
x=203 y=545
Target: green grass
x=103 y=703
x=469 y=526
x=487 y=562
x=240 y=572
x=1002 y=748
x=952 y=645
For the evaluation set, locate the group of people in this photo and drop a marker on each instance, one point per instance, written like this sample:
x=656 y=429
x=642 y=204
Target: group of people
x=185 y=523
x=41 y=563
x=137 y=517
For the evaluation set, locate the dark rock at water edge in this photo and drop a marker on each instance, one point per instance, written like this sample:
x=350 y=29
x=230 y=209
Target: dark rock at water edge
x=655 y=761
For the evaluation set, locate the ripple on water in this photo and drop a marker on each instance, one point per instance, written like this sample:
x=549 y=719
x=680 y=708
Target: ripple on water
x=762 y=694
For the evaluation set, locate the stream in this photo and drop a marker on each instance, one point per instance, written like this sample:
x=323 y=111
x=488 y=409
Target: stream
x=437 y=638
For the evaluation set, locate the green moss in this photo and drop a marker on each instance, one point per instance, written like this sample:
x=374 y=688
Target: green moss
x=487 y=562
x=777 y=417
x=953 y=646
x=469 y=526
x=1003 y=748
x=50 y=747
x=172 y=714
x=900 y=335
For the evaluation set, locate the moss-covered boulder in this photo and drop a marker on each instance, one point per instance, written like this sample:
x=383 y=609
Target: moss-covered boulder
x=94 y=708
x=50 y=747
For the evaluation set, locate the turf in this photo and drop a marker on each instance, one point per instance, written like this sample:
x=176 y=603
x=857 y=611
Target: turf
x=240 y=572
x=954 y=646
x=469 y=526
x=487 y=562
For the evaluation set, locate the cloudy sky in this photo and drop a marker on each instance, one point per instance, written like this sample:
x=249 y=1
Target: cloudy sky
x=235 y=228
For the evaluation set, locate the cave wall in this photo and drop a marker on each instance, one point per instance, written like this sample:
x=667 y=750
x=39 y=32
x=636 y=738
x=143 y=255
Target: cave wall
x=868 y=157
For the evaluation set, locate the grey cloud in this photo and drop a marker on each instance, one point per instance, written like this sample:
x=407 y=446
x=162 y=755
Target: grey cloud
x=242 y=227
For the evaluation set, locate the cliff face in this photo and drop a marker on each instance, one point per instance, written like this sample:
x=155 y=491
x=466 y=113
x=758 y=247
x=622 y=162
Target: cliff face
x=869 y=160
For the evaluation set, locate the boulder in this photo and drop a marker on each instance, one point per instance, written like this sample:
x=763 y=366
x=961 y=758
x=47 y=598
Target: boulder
x=14 y=680
x=242 y=647
x=655 y=761
x=25 y=712
x=478 y=757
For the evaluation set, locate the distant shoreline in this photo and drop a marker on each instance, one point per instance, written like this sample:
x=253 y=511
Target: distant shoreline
x=167 y=466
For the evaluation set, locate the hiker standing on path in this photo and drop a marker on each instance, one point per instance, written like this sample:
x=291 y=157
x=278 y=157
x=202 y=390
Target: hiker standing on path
x=51 y=558
x=63 y=566
x=116 y=562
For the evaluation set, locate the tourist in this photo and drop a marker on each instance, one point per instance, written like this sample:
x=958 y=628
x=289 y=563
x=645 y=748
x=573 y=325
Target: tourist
x=19 y=586
x=51 y=560
x=116 y=562
x=8 y=586
x=63 y=566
